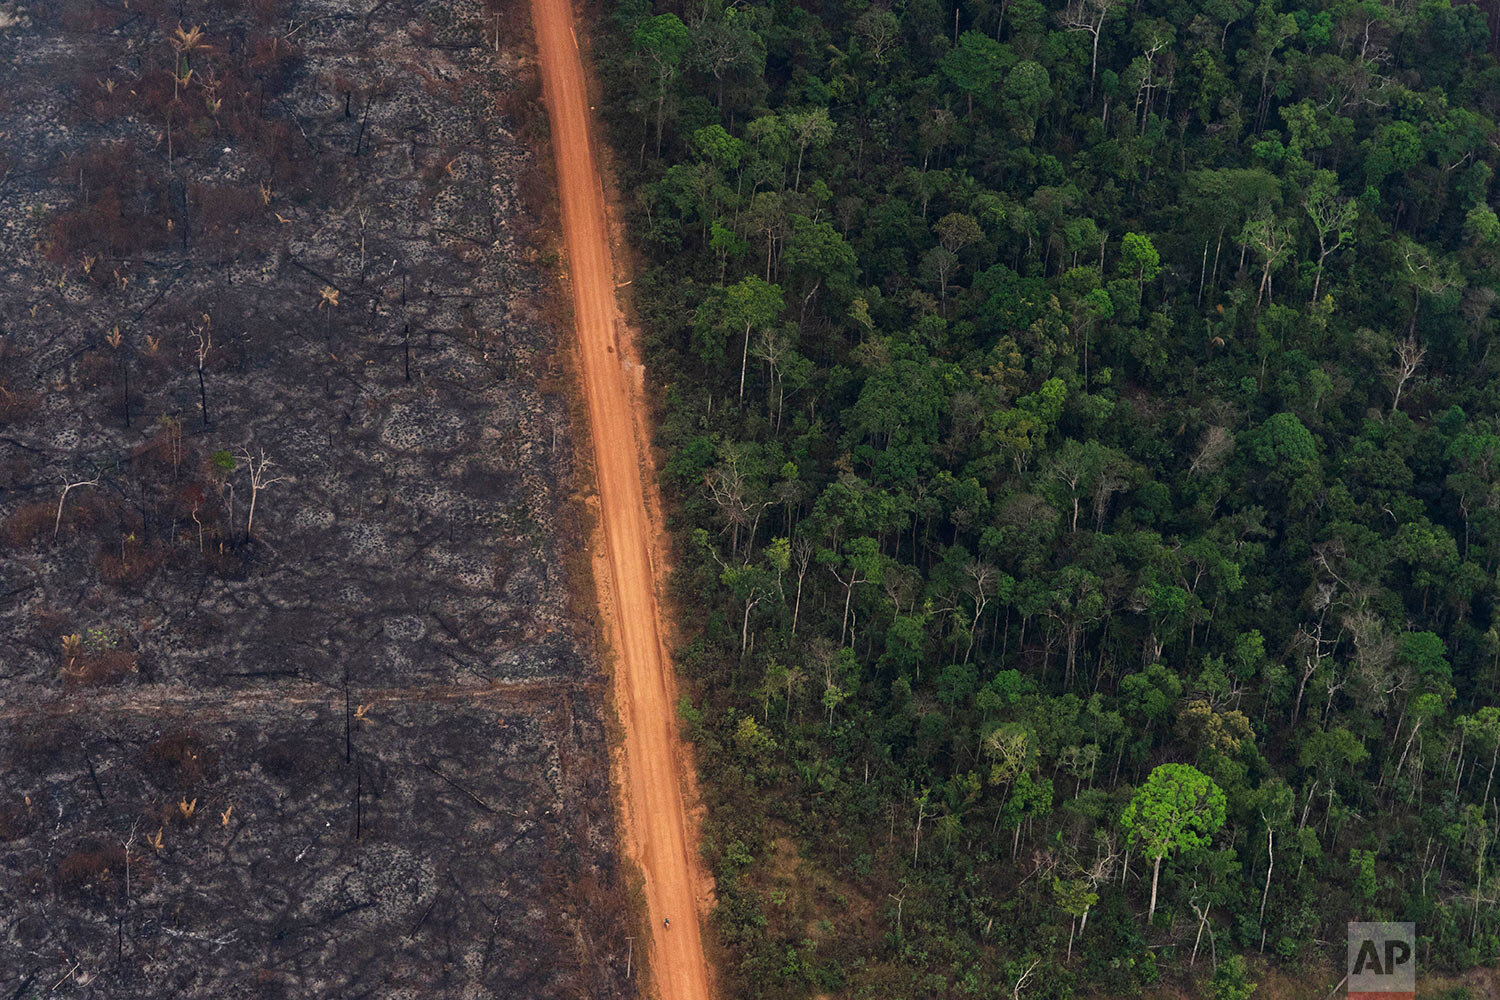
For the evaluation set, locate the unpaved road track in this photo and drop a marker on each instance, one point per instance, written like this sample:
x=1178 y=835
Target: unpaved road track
x=656 y=829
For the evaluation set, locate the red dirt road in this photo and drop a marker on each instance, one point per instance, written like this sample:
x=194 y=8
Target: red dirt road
x=656 y=827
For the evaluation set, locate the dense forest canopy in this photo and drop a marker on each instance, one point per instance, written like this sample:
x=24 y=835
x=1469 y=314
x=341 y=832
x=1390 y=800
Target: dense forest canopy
x=1084 y=446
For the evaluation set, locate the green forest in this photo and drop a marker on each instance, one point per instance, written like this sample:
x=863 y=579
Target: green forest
x=1081 y=438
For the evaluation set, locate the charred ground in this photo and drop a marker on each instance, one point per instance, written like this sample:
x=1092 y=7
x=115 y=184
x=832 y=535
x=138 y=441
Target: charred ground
x=354 y=747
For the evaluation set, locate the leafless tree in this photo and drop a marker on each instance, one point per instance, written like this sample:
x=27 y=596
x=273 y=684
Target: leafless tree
x=199 y=523
x=802 y=554
x=730 y=490
x=899 y=901
x=752 y=601
x=1069 y=469
x=854 y=580
x=57 y=525
x=1477 y=303
x=172 y=428
x=1106 y=856
x=1314 y=648
x=916 y=844
x=258 y=482
x=1216 y=445
x=204 y=335
x=1333 y=682
x=1025 y=978
x=938 y=265
x=1113 y=477
x=771 y=348
x=979 y=586
x=1145 y=94
x=1409 y=355
x=1088 y=15
x=1270 y=867
x=1202 y=914
x=364 y=217
x=881 y=30
x=903 y=585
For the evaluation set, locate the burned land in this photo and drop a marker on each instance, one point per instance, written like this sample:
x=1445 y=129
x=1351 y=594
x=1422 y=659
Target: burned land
x=295 y=696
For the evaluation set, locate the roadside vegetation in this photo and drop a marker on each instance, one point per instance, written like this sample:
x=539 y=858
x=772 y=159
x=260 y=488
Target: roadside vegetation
x=1080 y=426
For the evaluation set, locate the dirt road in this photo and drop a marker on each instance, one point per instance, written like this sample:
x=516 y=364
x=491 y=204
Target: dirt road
x=656 y=828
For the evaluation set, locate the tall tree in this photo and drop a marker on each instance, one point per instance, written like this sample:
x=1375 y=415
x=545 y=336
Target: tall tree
x=1178 y=808
x=662 y=41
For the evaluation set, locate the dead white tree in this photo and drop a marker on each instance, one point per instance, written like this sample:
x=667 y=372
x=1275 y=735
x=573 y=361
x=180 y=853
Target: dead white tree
x=1415 y=729
x=1215 y=447
x=1025 y=978
x=880 y=30
x=772 y=349
x=900 y=901
x=129 y=845
x=57 y=524
x=855 y=578
x=1145 y=93
x=364 y=217
x=1105 y=858
x=258 y=482
x=1088 y=15
x=738 y=501
x=1315 y=648
x=803 y=550
x=1202 y=914
x=752 y=601
x=205 y=340
x=1270 y=867
x=916 y=844
x=199 y=523
x=979 y=585
x=1409 y=355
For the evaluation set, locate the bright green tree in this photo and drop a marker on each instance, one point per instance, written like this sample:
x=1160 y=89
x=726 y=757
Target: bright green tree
x=750 y=304
x=1179 y=807
x=1230 y=980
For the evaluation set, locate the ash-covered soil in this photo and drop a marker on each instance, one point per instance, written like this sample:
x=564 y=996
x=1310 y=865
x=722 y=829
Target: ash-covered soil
x=448 y=850
x=294 y=698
